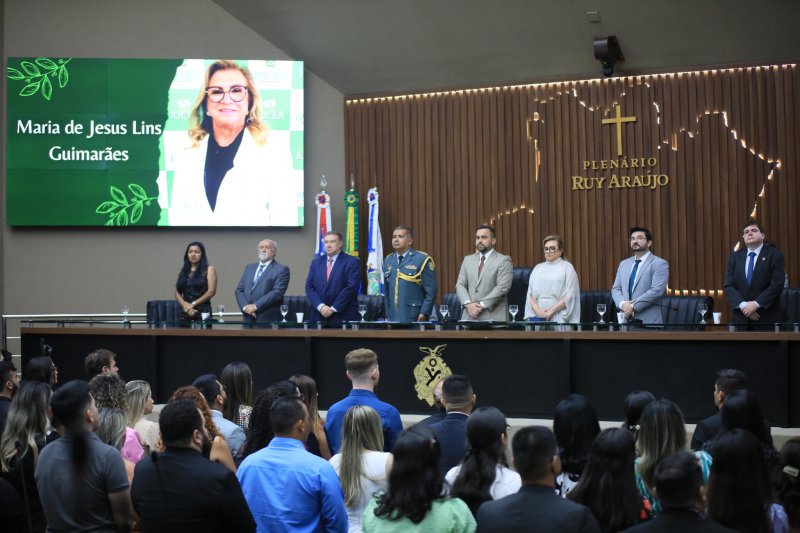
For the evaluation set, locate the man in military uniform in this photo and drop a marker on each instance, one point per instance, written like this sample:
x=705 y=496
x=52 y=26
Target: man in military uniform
x=410 y=287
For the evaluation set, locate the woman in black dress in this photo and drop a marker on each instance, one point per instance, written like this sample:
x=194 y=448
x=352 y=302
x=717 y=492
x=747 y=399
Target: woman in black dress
x=197 y=284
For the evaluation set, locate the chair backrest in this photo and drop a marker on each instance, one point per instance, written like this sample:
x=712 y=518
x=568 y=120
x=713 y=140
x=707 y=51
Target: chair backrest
x=162 y=311
x=450 y=299
x=297 y=304
x=682 y=312
x=374 y=303
x=519 y=288
x=790 y=302
x=589 y=301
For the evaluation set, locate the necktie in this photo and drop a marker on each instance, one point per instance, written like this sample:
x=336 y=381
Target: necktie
x=400 y=259
x=633 y=277
x=751 y=264
x=258 y=275
x=480 y=266
x=330 y=267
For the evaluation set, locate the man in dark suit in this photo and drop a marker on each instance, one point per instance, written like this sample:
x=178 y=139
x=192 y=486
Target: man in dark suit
x=332 y=283
x=261 y=289
x=679 y=483
x=536 y=507
x=754 y=280
x=459 y=401
x=181 y=489
x=728 y=380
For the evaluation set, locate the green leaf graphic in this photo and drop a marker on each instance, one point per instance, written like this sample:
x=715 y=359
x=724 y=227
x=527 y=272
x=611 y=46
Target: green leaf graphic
x=106 y=207
x=46 y=63
x=30 y=89
x=117 y=209
x=30 y=68
x=118 y=195
x=122 y=218
x=136 y=213
x=14 y=74
x=138 y=191
x=63 y=77
x=36 y=79
x=47 y=88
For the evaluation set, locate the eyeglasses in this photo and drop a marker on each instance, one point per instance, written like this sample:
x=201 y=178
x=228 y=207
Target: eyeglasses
x=550 y=249
x=639 y=238
x=236 y=92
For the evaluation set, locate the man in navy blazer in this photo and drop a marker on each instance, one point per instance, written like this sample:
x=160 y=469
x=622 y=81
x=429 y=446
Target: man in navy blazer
x=332 y=283
x=641 y=280
x=261 y=289
x=754 y=279
x=459 y=400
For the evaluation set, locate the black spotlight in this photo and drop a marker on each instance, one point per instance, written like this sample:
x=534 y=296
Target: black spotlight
x=608 y=52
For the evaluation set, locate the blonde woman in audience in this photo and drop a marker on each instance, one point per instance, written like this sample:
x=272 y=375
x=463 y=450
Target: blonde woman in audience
x=140 y=404
x=111 y=430
x=220 y=451
x=317 y=442
x=238 y=382
x=362 y=465
x=108 y=390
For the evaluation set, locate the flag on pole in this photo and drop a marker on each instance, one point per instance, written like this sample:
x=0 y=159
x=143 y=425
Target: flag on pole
x=351 y=212
x=323 y=202
x=374 y=247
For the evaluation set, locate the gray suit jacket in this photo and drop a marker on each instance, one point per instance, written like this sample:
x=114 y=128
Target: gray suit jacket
x=268 y=293
x=651 y=282
x=491 y=287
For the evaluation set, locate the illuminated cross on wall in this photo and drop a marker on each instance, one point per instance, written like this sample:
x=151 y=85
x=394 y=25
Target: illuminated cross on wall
x=618 y=120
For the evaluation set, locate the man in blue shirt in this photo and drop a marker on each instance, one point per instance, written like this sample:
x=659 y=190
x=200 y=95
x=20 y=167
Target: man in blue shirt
x=287 y=488
x=362 y=370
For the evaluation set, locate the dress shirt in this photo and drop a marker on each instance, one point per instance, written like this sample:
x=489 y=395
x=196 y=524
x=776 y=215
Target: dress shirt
x=289 y=489
x=755 y=265
x=390 y=418
x=485 y=259
x=234 y=435
x=332 y=263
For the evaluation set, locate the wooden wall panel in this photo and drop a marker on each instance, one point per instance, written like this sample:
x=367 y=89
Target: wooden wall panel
x=446 y=162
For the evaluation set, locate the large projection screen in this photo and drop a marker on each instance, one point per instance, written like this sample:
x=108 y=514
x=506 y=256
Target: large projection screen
x=113 y=142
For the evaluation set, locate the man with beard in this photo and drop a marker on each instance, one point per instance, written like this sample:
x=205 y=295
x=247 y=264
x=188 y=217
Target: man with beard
x=214 y=393
x=485 y=279
x=9 y=383
x=261 y=289
x=641 y=281
x=181 y=489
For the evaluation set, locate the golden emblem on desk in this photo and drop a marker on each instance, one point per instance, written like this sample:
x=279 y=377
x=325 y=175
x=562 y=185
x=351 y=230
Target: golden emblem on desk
x=429 y=371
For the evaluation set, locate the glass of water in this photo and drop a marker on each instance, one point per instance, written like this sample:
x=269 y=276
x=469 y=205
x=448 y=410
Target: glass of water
x=125 y=311
x=513 y=310
x=284 y=309
x=220 y=310
x=703 y=309
x=362 y=310
x=444 y=310
x=601 y=310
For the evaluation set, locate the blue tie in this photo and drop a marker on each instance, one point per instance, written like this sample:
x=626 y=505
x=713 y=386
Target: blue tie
x=751 y=264
x=633 y=278
x=258 y=275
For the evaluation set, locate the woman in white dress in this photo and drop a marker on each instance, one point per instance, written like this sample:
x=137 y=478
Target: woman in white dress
x=362 y=465
x=553 y=290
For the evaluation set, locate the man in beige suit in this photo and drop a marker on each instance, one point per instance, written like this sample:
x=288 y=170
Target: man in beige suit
x=484 y=280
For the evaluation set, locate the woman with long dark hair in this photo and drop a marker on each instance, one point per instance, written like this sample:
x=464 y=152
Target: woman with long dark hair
x=608 y=486
x=41 y=369
x=484 y=474
x=632 y=408
x=742 y=410
x=23 y=438
x=238 y=382
x=415 y=499
x=196 y=285
x=362 y=465
x=739 y=490
x=317 y=442
x=260 y=433
x=575 y=425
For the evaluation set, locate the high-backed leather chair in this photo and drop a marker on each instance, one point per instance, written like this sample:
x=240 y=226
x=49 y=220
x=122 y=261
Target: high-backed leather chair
x=374 y=303
x=790 y=301
x=589 y=301
x=297 y=304
x=160 y=312
x=683 y=312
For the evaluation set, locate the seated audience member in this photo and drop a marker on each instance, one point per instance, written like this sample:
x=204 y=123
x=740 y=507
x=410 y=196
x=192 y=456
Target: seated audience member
x=81 y=481
x=287 y=488
x=180 y=489
x=220 y=452
x=363 y=372
x=362 y=465
x=260 y=433
x=679 y=483
x=536 y=505
x=575 y=425
x=317 y=442
x=632 y=408
x=108 y=390
x=742 y=410
x=662 y=433
x=9 y=383
x=237 y=380
x=415 y=499
x=608 y=486
x=41 y=369
x=111 y=430
x=787 y=482
x=216 y=397
x=100 y=361
x=20 y=446
x=484 y=474
x=140 y=404
x=728 y=381
x=440 y=411
x=459 y=400
x=739 y=489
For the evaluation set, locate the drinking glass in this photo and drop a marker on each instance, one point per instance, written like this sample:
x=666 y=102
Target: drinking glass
x=513 y=310
x=284 y=309
x=125 y=311
x=443 y=312
x=362 y=310
x=601 y=310
x=220 y=310
x=703 y=308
